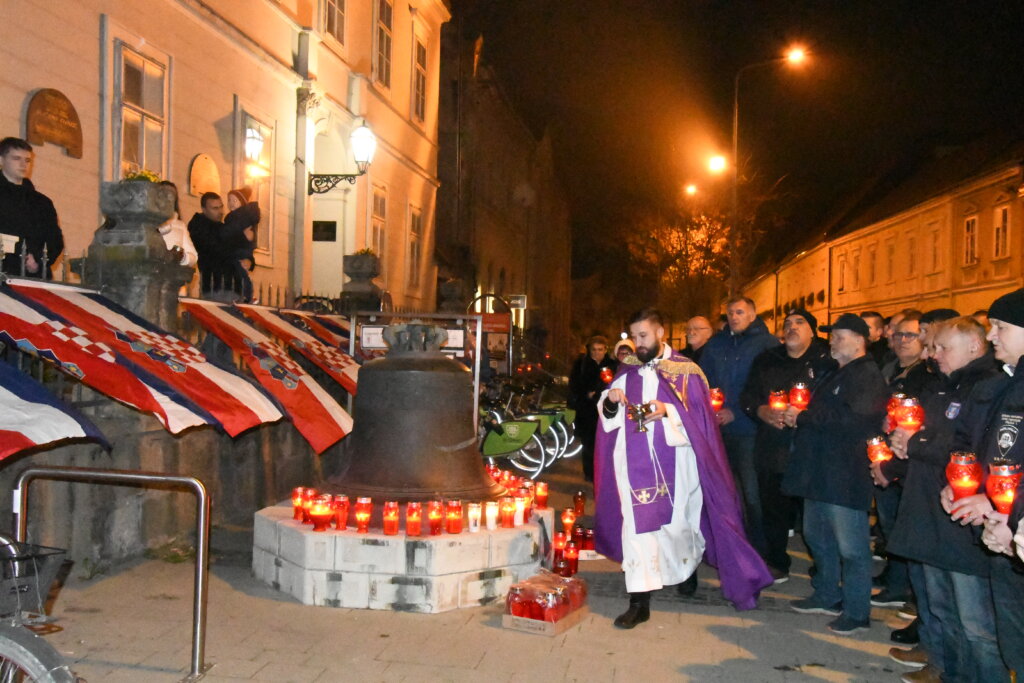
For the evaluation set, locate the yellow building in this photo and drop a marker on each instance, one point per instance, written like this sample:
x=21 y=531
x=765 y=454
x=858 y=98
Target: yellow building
x=944 y=237
x=217 y=94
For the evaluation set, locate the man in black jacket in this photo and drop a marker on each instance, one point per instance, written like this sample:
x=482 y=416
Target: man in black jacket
x=805 y=358
x=26 y=214
x=585 y=387
x=955 y=605
x=206 y=229
x=829 y=470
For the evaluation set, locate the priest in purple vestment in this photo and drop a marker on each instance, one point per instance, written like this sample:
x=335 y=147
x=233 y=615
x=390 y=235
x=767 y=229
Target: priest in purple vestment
x=665 y=497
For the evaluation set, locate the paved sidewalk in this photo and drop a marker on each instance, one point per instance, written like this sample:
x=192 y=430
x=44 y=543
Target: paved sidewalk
x=134 y=624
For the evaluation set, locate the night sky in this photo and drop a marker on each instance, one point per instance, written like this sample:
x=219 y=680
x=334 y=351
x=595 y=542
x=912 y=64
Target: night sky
x=638 y=94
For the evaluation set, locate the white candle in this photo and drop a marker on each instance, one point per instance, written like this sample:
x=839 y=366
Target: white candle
x=520 y=518
x=473 y=511
x=491 y=512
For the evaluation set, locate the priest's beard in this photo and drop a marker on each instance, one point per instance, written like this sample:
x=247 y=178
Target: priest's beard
x=647 y=354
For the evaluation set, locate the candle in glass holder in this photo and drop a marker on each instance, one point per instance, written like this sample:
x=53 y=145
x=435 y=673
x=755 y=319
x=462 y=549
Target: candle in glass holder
x=800 y=396
x=413 y=518
x=364 y=506
x=508 y=512
x=519 y=516
x=588 y=541
x=963 y=474
x=568 y=519
x=717 y=398
x=540 y=495
x=340 y=505
x=579 y=534
x=473 y=511
x=435 y=517
x=297 y=494
x=909 y=415
x=320 y=512
x=579 y=503
x=1001 y=486
x=607 y=375
x=890 y=410
x=561 y=567
x=307 y=501
x=391 y=518
x=878 y=449
x=777 y=400
x=558 y=542
x=453 y=517
x=572 y=556
x=491 y=515
x=523 y=493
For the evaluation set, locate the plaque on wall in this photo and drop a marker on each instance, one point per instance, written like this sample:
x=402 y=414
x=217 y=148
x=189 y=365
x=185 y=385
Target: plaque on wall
x=52 y=118
x=203 y=176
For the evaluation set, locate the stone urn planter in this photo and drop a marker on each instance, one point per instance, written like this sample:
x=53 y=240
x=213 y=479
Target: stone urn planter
x=360 y=292
x=361 y=267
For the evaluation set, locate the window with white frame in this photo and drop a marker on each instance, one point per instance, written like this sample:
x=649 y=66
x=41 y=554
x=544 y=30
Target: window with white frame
x=141 y=111
x=419 y=89
x=1001 y=232
x=378 y=225
x=257 y=172
x=383 y=39
x=415 y=247
x=334 y=19
x=970 y=240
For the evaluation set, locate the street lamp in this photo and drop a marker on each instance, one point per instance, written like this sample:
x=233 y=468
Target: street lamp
x=717 y=163
x=691 y=189
x=794 y=56
x=364 y=144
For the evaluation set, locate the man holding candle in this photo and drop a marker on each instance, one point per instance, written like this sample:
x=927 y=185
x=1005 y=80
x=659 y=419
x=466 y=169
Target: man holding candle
x=957 y=627
x=585 y=387
x=829 y=471
x=803 y=358
x=664 y=497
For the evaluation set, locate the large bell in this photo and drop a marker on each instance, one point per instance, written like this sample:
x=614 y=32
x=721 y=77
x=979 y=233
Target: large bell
x=414 y=432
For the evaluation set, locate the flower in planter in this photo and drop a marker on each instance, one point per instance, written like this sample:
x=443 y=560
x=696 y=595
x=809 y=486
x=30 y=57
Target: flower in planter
x=142 y=174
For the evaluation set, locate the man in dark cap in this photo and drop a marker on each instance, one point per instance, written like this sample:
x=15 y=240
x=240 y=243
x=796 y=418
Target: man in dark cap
x=829 y=470
x=803 y=357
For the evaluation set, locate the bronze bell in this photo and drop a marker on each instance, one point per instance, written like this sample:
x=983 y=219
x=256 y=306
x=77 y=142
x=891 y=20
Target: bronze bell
x=414 y=433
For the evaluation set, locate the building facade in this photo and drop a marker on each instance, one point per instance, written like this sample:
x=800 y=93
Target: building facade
x=220 y=94
x=948 y=236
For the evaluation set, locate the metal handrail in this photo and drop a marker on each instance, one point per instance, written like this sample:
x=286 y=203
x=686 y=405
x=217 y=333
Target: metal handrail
x=137 y=478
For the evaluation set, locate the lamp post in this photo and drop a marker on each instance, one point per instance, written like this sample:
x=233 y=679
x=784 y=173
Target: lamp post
x=364 y=144
x=794 y=57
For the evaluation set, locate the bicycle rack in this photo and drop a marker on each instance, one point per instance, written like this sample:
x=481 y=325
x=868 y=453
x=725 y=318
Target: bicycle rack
x=137 y=478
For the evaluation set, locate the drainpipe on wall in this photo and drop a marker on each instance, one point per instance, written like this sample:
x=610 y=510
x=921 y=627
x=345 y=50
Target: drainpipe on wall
x=304 y=99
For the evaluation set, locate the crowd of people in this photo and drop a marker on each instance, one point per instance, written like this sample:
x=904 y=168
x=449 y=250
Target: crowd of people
x=953 y=562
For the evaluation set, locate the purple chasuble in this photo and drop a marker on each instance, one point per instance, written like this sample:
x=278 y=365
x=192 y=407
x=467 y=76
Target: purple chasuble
x=652 y=467
x=741 y=570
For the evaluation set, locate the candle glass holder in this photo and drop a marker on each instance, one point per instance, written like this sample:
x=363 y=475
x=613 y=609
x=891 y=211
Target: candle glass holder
x=540 y=495
x=778 y=400
x=607 y=375
x=909 y=415
x=1001 y=485
x=435 y=517
x=878 y=449
x=508 y=512
x=558 y=542
x=391 y=518
x=588 y=541
x=491 y=515
x=364 y=506
x=579 y=503
x=519 y=517
x=320 y=512
x=307 y=502
x=413 y=518
x=453 y=517
x=579 y=535
x=568 y=520
x=340 y=506
x=473 y=514
x=297 y=495
x=572 y=556
x=717 y=397
x=963 y=474
x=890 y=410
x=800 y=396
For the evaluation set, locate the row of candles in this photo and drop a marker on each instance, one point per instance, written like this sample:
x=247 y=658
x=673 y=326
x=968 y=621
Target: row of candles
x=799 y=396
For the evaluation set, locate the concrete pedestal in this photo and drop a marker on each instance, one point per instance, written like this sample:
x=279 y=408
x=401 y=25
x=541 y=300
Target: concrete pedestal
x=373 y=571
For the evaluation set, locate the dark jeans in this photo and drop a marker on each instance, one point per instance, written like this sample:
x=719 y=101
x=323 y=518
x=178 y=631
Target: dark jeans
x=840 y=543
x=929 y=627
x=740 y=451
x=962 y=605
x=585 y=429
x=887 y=502
x=1008 y=600
x=778 y=514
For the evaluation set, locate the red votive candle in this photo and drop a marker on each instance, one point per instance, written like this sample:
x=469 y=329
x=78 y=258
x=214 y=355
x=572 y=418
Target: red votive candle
x=878 y=449
x=413 y=518
x=568 y=519
x=572 y=557
x=540 y=495
x=579 y=503
x=340 y=507
x=507 y=510
x=307 y=502
x=297 y=494
x=909 y=415
x=453 y=517
x=890 y=410
x=364 y=506
x=717 y=398
x=607 y=375
x=390 y=517
x=777 y=400
x=800 y=396
x=320 y=512
x=963 y=474
x=558 y=543
x=435 y=517
x=1001 y=486
x=588 y=542
x=579 y=534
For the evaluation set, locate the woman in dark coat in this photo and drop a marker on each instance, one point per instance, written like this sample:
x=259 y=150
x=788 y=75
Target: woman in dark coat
x=240 y=227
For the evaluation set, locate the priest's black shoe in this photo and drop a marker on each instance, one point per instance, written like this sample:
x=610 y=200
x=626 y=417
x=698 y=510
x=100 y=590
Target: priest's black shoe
x=639 y=611
x=689 y=587
x=907 y=635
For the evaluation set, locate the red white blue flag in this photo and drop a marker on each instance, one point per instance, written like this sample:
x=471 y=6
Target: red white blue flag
x=39 y=332
x=341 y=367
x=316 y=415
x=231 y=401
x=31 y=416
x=310 y=322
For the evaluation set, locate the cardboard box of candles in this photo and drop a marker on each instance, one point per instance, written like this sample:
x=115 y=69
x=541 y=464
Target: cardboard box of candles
x=545 y=604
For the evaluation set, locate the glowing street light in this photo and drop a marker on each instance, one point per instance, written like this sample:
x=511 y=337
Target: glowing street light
x=796 y=55
x=690 y=189
x=364 y=145
x=717 y=163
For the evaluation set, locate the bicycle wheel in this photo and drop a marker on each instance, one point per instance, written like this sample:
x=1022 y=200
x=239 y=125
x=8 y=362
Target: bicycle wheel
x=573 y=446
x=24 y=656
x=529 y=458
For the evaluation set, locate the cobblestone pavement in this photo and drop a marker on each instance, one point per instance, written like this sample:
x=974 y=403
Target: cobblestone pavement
x=133 y=623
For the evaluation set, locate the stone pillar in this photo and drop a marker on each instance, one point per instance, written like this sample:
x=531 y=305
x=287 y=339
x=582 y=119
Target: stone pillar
x=361 y=293
x=454 y=295
x=128 y=260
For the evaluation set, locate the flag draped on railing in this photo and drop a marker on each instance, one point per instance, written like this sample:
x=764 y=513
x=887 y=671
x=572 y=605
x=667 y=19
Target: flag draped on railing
x=316 y=415
x=31 y=416
x=227 y=399
x=34 y=329
x=316 y=327
x=341 y=367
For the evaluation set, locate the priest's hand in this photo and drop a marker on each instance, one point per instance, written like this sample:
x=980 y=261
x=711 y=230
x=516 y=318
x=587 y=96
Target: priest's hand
x=658 y=410
x=616 y=396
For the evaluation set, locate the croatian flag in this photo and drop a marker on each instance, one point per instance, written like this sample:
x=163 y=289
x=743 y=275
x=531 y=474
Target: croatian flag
x=230 y=400
x=310 y=323
x=35 y=330
x=31 y=416
x=341 y=367
x=316 y=415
